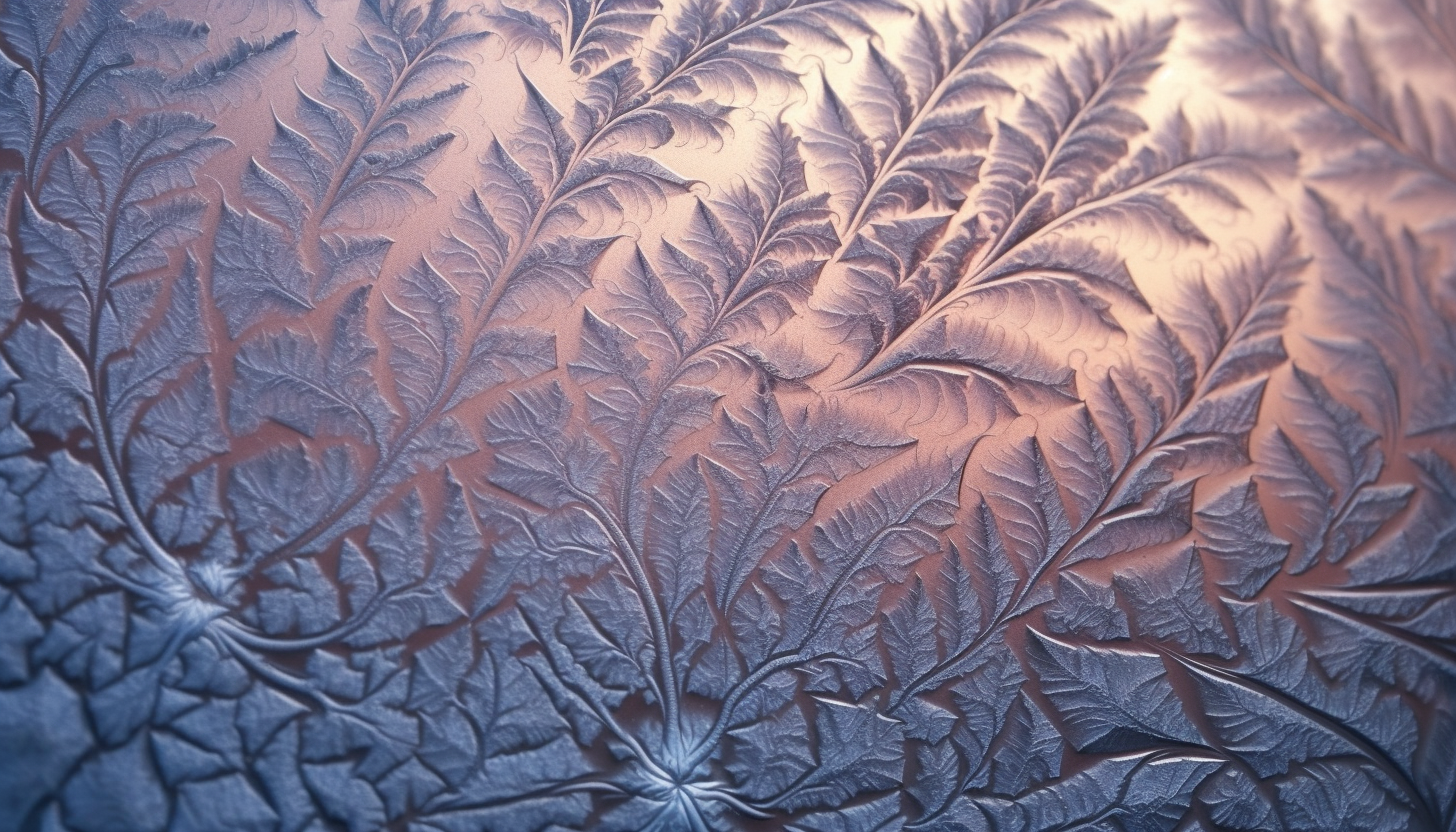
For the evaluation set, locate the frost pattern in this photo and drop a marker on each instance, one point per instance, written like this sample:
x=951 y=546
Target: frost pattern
x=801 y=414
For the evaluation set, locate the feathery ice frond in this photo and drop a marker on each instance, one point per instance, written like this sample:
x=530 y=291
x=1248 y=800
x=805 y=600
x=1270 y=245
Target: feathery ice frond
x=728 y=48
x=979 y=266
x=350 y=160
x=1353 y=114
x=63 y=71
x=588 y=34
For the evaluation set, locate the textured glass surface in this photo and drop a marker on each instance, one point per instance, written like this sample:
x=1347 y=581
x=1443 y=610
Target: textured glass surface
x=821 y=415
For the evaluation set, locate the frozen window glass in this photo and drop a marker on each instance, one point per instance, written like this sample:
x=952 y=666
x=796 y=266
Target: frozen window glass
x=819 y=415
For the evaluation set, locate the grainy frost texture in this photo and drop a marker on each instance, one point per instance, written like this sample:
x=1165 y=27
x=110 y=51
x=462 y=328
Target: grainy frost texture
x=817 y=415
